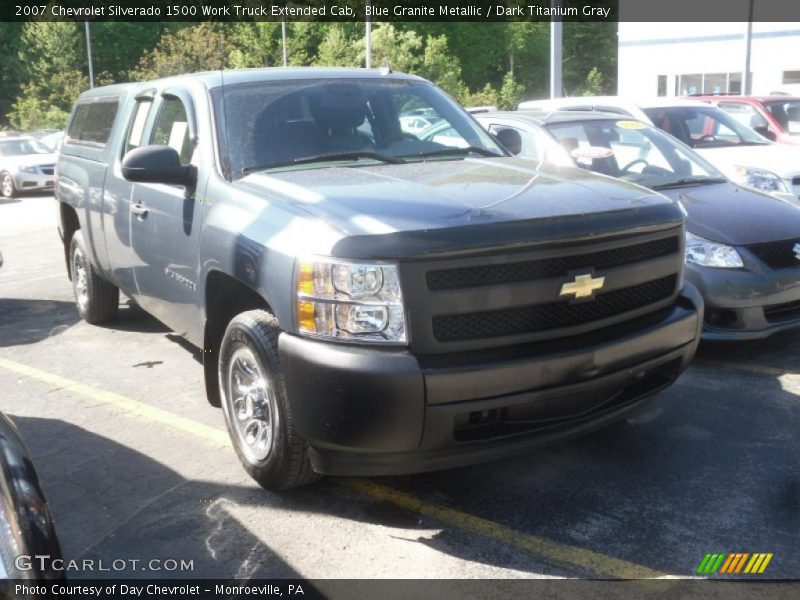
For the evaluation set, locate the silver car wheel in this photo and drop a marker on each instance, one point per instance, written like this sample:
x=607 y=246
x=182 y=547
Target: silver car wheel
x=250 y=404
x=7 y=186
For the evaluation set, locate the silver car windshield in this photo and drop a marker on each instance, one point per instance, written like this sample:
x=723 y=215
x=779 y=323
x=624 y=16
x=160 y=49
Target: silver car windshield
x=22 y=148
x=632 y=151
x=303 y=124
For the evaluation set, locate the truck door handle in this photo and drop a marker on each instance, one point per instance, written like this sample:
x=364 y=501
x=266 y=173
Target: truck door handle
x=140 y=210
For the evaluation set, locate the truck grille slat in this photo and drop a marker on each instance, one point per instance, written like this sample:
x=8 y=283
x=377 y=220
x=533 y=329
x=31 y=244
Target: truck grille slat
x=777 y=255
x=554 y=315
x=448 y=279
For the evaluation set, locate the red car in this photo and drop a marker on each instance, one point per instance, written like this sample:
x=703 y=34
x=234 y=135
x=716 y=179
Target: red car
x=775 y=117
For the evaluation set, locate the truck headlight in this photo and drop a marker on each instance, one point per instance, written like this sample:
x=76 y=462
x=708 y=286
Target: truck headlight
x=760 y=179
x=350 y=301
x=28 y=169
x=705 y=253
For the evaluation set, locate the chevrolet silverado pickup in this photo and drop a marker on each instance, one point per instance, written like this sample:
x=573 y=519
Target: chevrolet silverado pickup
x=368 y=302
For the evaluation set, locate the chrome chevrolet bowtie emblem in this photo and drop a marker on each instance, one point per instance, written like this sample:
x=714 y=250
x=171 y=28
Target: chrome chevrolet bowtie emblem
x=584 y=286
x=797 y=250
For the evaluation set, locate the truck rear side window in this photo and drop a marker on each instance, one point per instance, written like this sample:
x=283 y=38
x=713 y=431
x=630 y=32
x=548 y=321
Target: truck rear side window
x=92 y=122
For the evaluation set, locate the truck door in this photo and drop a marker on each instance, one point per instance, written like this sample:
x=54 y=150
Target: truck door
x=117 y=197
x=165 y=224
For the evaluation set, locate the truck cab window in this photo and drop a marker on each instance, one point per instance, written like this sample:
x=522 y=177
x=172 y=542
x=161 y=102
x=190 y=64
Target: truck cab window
x=172 y=128
x=136 y=131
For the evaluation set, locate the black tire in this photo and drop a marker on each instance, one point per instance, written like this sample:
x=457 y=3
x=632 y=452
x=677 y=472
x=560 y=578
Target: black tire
x=97 y=299
x=7 y=187
x=254 y=334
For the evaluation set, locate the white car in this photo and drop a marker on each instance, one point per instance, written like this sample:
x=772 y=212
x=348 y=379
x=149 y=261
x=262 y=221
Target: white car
x=26 y=165
x=739 y=152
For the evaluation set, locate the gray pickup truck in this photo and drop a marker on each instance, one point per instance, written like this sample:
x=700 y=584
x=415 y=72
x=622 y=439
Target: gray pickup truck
x=369 y=302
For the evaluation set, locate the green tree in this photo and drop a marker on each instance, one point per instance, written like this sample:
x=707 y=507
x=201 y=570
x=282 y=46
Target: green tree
x=338 y=48
x=255 y=44
x=441 y=68
x=12 y=74
x=200 y=47
x=402 y=50
x=510 y=93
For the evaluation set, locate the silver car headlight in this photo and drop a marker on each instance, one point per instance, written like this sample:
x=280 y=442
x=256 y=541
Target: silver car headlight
x=705 y=253
x=760 y=179
x=28 y=169
x=350 y=301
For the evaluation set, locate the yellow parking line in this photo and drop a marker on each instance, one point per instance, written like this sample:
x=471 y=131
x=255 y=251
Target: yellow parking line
x=217 y=437
x=548 y=550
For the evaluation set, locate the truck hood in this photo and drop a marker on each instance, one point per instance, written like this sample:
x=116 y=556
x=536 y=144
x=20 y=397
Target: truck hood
x=732 y=215
x=435 y=195
x=781 y=159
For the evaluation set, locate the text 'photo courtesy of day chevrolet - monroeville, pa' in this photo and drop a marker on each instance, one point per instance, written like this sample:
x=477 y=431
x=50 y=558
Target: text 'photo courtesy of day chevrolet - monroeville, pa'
x=394 y=300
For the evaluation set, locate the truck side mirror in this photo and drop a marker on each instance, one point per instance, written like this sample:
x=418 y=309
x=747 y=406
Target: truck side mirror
x=157 y=164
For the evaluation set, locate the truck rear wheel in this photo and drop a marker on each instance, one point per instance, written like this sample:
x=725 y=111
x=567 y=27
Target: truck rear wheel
x=257 y=413
x=96 y=298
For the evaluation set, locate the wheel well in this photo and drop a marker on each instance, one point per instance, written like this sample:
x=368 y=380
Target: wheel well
x=225 y=298
x=69 y=225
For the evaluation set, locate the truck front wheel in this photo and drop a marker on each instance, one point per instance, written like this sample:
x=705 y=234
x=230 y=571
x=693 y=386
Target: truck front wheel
x=97 y=299
x=257 y=413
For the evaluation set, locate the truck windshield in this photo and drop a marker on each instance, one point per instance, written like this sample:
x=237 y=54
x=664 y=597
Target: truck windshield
x=313 y=123
x=632 y=151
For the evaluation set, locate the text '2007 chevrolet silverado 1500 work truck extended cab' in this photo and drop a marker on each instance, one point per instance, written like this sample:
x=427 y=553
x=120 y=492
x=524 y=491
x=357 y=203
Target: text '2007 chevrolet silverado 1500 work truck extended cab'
x=369 y=302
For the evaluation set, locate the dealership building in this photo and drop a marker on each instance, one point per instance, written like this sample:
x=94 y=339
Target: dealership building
x=675 y=59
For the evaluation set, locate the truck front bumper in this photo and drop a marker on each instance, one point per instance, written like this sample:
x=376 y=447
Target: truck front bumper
x=375 y=411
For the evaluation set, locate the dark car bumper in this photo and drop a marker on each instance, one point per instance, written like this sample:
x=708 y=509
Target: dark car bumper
x=370 y=411
x=747 y=304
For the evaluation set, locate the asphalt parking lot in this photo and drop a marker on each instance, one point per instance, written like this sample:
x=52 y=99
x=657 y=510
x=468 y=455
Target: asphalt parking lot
x=137 y=465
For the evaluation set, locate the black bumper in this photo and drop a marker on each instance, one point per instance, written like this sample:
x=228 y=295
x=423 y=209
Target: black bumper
x=373 y=411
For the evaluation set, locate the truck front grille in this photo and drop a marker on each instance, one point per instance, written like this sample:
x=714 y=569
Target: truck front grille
x=447 y=279
x=503 y=297
x=777 y=255
x=552 y=315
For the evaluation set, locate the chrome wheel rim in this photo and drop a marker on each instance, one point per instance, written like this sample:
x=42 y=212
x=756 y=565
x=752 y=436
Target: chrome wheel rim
x=79 y=278
x=7 y=186
x=250 y=404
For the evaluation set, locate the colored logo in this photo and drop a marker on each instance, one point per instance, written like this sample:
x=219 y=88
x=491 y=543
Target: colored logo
x=731 y=563
x=584 y=286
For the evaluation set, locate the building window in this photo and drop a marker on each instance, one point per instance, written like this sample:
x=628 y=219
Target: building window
x=791 y=77
x=708 y=84
x=662 y=85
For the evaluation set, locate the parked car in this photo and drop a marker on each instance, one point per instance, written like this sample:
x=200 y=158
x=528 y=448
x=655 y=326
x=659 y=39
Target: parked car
x=25 y=165
x=742 y=246
x=52 y=140
x=775 y=117
x=445 y=134
x=740 y=153
x=415 y=124
x=368 y=302
x=28 y=530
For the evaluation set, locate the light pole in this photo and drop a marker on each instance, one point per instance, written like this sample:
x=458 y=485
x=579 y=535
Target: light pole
x=747 y=85
x=283 y=39
x=89 y=53
x=368 y=40
x=555 y=51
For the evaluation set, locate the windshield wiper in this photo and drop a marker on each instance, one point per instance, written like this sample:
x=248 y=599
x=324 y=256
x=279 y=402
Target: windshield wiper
x=688 y=181
x=458 y=151
x=329 y=157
